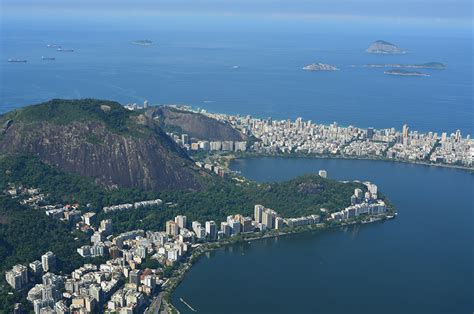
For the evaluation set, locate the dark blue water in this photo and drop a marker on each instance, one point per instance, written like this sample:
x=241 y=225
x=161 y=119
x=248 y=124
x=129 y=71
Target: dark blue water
x=420 y=262
x=193 y=65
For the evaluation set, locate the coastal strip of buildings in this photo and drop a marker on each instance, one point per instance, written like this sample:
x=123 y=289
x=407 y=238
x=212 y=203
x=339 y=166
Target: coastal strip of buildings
x=306 y=137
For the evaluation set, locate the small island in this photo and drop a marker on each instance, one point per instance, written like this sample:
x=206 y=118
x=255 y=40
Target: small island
x=320 y=67
x=400 y=72
x=142 y=42
x=384 y=47
x=427 y=65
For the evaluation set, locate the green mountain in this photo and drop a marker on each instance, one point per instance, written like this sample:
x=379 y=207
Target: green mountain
x=102 y=140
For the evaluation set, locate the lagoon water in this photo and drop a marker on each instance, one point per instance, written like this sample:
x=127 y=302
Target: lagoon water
x=420 y=262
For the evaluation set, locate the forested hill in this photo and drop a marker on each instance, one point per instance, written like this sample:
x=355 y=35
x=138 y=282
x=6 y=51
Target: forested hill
x=301 y=196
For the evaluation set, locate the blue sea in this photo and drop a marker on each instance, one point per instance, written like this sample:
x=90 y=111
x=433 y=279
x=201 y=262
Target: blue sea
x=192 y=62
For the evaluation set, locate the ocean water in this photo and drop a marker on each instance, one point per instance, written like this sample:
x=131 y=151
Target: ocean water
x=420 y=262
x=192 y=64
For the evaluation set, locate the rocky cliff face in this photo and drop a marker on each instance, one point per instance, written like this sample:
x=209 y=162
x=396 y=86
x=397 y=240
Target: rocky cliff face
x=142 y=156
x=383 y=47
x=196 y=125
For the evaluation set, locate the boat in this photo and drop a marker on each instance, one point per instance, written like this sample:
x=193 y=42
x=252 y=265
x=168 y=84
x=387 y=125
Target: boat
x=65 y=49
x=17 y=60
x=48 y=58
x=52 y=46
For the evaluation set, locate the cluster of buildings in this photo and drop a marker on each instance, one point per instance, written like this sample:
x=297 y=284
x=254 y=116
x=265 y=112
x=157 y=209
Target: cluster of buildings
x=220 y=171
x=93 y=289
x=412 y=145
x=201 y=144
x=127 y=206
x=365 y=148
x=135 y=106
x=44 y=294
x=287 y=136
x=453 y=149
x=119 y=285
x=98 y=246
x=69 y=213
x=362 y=203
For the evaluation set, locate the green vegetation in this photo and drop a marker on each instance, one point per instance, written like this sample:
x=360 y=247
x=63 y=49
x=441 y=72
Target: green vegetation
x=432 y=65
x=150 y=263
x=62 y=187
x=298 y=197
x=63 y=112
x=301 y=196
x=26 y=234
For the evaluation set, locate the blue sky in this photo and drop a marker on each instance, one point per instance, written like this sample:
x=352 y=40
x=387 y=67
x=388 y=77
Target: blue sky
x=459 y=10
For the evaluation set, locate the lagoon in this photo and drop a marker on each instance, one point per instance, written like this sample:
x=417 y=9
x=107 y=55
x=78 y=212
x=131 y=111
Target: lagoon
x=420 y=262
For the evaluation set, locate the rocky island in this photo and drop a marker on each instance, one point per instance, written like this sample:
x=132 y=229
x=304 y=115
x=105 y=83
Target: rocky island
x=401 y=72
x=384 y=47
x=320 y=67
x=427 y=65
x=142 y=42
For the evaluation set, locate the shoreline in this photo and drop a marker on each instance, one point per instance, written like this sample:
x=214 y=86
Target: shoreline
x=248 y=155
x=183 y=269
x=250 y=237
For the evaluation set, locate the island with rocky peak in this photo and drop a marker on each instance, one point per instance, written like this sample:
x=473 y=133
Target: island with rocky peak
x=426 y=65
x=400 y=72
x=384 y=47
x=320 y=67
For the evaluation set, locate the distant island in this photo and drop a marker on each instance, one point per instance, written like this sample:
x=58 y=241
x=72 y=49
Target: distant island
x=143 y=42
x=405 y=73
x=17 y=60
x=427 y=65
x=384 y=47
x=320 y=67
x=65 y=49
